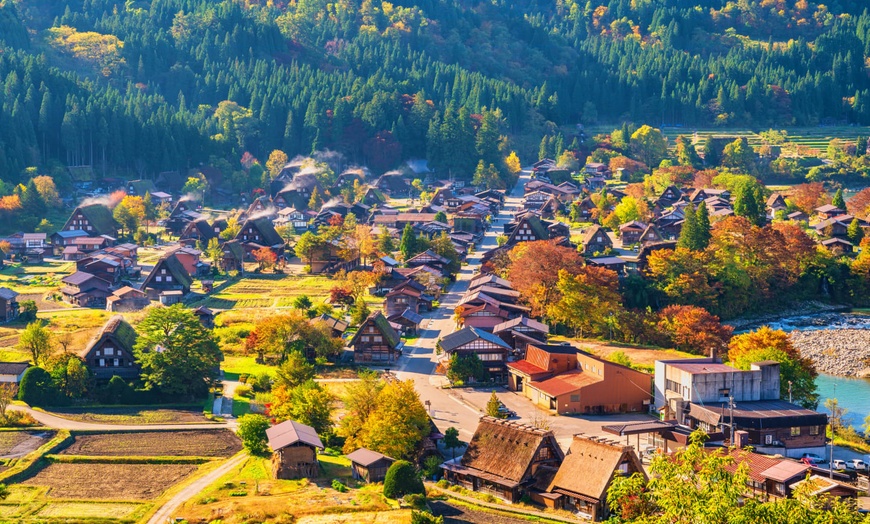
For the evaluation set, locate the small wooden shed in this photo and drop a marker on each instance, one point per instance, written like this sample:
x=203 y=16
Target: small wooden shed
x=294 y=448
x=369 y=465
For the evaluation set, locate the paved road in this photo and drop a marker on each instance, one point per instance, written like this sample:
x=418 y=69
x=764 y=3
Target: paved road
x=462 y=408
x=164 y=514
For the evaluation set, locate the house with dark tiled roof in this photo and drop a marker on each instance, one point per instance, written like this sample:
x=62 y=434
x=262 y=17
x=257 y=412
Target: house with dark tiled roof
x=84 y=289
x=337 y=326
x=395 y=185
x=407 y=322
x=233 y=258
x=650 y=235
x=581 y=483
x=198 y=231
x=521 y=331
x=182 y=214
x=8 y=305
x=127 y=299
x=376 y=341
x=63 y=239
x=505 y=459
x=110 y=352
x=410 y=294
x=630 y=232
x=140 y=187
x=489 y=348
x=94 y=219
x=168 y=276
x=12 y=371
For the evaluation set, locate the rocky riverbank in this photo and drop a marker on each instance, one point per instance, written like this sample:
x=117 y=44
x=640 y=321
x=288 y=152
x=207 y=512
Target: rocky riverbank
x=838 y=351
x=811 y=311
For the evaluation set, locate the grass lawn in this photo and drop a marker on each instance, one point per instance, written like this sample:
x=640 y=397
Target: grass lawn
x=235 y=365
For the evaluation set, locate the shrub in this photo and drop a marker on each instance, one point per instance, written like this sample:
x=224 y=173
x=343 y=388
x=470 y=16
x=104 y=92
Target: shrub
x=443 y=484
x=27 y=311
x=117 y=391
x=37 y=388
x=424 y=517
x=260 y=383
x=431 y=466
x=338 y=486
x=243 y=390
x=252 y=431
x=415 y=500
x=402 y=479
x=18 y=419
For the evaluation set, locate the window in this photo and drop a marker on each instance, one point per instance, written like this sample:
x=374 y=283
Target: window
x=168 y=278
x=378 y=338
x=575 y=398
x=109 y=351
x=544 y=453
x=814 y=430
x=162 y=271
x=768 y=440
x=101 y=363
x=116 y=362
x=796 y=432
x=365 y=338
x=159 y=278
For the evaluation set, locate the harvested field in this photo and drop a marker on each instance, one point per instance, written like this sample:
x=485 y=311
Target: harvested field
x=458 y=513
x=361 y=517
x=15 y=444
x=109 y=481
x=66 y=510
x=194 y=443
x=134 y=416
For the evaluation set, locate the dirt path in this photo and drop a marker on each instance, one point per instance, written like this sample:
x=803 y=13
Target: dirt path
x=164 y=514
x=31 y=444
x=54 y=421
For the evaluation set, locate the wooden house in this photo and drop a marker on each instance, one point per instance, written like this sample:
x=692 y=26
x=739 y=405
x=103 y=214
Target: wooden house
x=8 y=305
x=63 y=239
x=94 y=219
x=12 y=371
x=140 y=187
x=190 y=260
x=369 y=465
x=630 y=232
x=198 y=231
x=395 y=185
x=522 y=331
x=407 y=322
x=181 y=215
x=828 y=211
x=775 y=203
x=127 y=299
x=257 y=233
x=798 y=216
x=205 y=316
x=233 y=258
x=168 y=275
x=581 y=483
x=294 y=450
x=108 y=267
x=298 y=192
x=337 y=326
x=480 y=310
x=838 y=246
x=431 y=259
x=84 y=289
x=650 y=235
x=596 y=240
x=489 y=348
x=398 y=221
x=410 y=294
x=505 y=459
x=110 y=352
x=376 y=341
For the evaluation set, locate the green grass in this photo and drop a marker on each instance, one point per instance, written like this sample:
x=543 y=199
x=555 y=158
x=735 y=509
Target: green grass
x=234 y=366
x=334 y=467
x=241 y=405
x=75 y=510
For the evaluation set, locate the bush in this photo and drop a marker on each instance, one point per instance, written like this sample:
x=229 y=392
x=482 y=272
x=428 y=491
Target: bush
x=415 y=500
x=27 y=311
x=443 y=484
x=18 y=419
x=402 y=479
x=424 y=517
x=37 y=388
x=338 y=486
x=252 y=431
x=260 y=383
x=117 y=391
x=243 y=390
x=431 y=466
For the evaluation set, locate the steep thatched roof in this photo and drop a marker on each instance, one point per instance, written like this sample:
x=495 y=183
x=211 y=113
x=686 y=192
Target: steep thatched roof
x=101 y=219
x=589 y=465
x=504 y=448
x=173 y=267
x=377 y=318
x=119 y=330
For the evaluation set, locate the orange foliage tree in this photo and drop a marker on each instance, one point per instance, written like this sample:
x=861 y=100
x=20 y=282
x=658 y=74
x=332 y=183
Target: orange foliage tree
x=693 y=329
x=534 y=272
x=807 y=197
x=859 y=204
x=265 y=257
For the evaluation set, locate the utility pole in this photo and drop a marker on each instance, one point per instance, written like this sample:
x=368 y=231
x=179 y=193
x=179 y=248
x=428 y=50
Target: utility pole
x=789 y=392
x=731 y=417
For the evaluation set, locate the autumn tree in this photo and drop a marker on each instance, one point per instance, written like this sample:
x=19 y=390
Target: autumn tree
x=47 y=190
x=308 y=245
x=694 y=330
x=688 y=238
x=308 y=403
x=838 y=200
x=807 y=197
x=493 y=406
x=276 y=162
x=587 y=300
x=265 y=257
x=408 y=244
x=534 y=272
x=36 y=340
x=316 y=201
x=360 y=400
x=686 y=153
x=854 y=232
x=294 y=371
x=130 y=213
x=279 y=335
x=649 y=145
x=512 y=163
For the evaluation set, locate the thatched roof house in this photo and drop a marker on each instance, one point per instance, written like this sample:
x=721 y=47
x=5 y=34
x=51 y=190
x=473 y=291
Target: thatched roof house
x=504 y=458
x=582 y=481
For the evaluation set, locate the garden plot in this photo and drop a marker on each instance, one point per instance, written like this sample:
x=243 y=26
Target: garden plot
x=109 y=481
x=195 y=443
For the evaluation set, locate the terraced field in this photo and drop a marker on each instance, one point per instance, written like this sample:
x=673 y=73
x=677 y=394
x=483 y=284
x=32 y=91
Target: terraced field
x=210 y=443
x=109 y=481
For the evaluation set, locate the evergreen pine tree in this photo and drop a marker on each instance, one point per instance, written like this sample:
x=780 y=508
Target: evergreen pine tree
x=408 y=244
x=746 y=204
x=854 y=232
x=492 y=405
x=702 y=226
x=688 y=233
x=838 y=200
x=385 y=242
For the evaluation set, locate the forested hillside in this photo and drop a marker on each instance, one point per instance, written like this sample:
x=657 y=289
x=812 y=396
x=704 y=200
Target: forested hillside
x=141 y=87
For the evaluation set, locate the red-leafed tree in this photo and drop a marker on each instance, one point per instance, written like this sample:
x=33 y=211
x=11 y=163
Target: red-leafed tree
x=265 y=257
x=534 y=272
x=859 y=204
x=694 y=330
x=809 y=196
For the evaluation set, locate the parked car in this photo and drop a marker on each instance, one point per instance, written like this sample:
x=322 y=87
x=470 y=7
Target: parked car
x=649 y=451
x=505 y=412
x=811 y=458
x=838 y=464
x=858 y=465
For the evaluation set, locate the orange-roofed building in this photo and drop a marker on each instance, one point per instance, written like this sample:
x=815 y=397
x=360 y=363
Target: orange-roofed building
x=567 y=380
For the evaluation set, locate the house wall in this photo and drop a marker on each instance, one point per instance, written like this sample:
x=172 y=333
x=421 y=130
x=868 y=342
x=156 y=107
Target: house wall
x=745 y=386
x=294 y=462
x=103 y=364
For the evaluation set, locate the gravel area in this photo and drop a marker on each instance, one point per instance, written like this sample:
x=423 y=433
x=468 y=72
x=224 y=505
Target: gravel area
x=841 y=351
